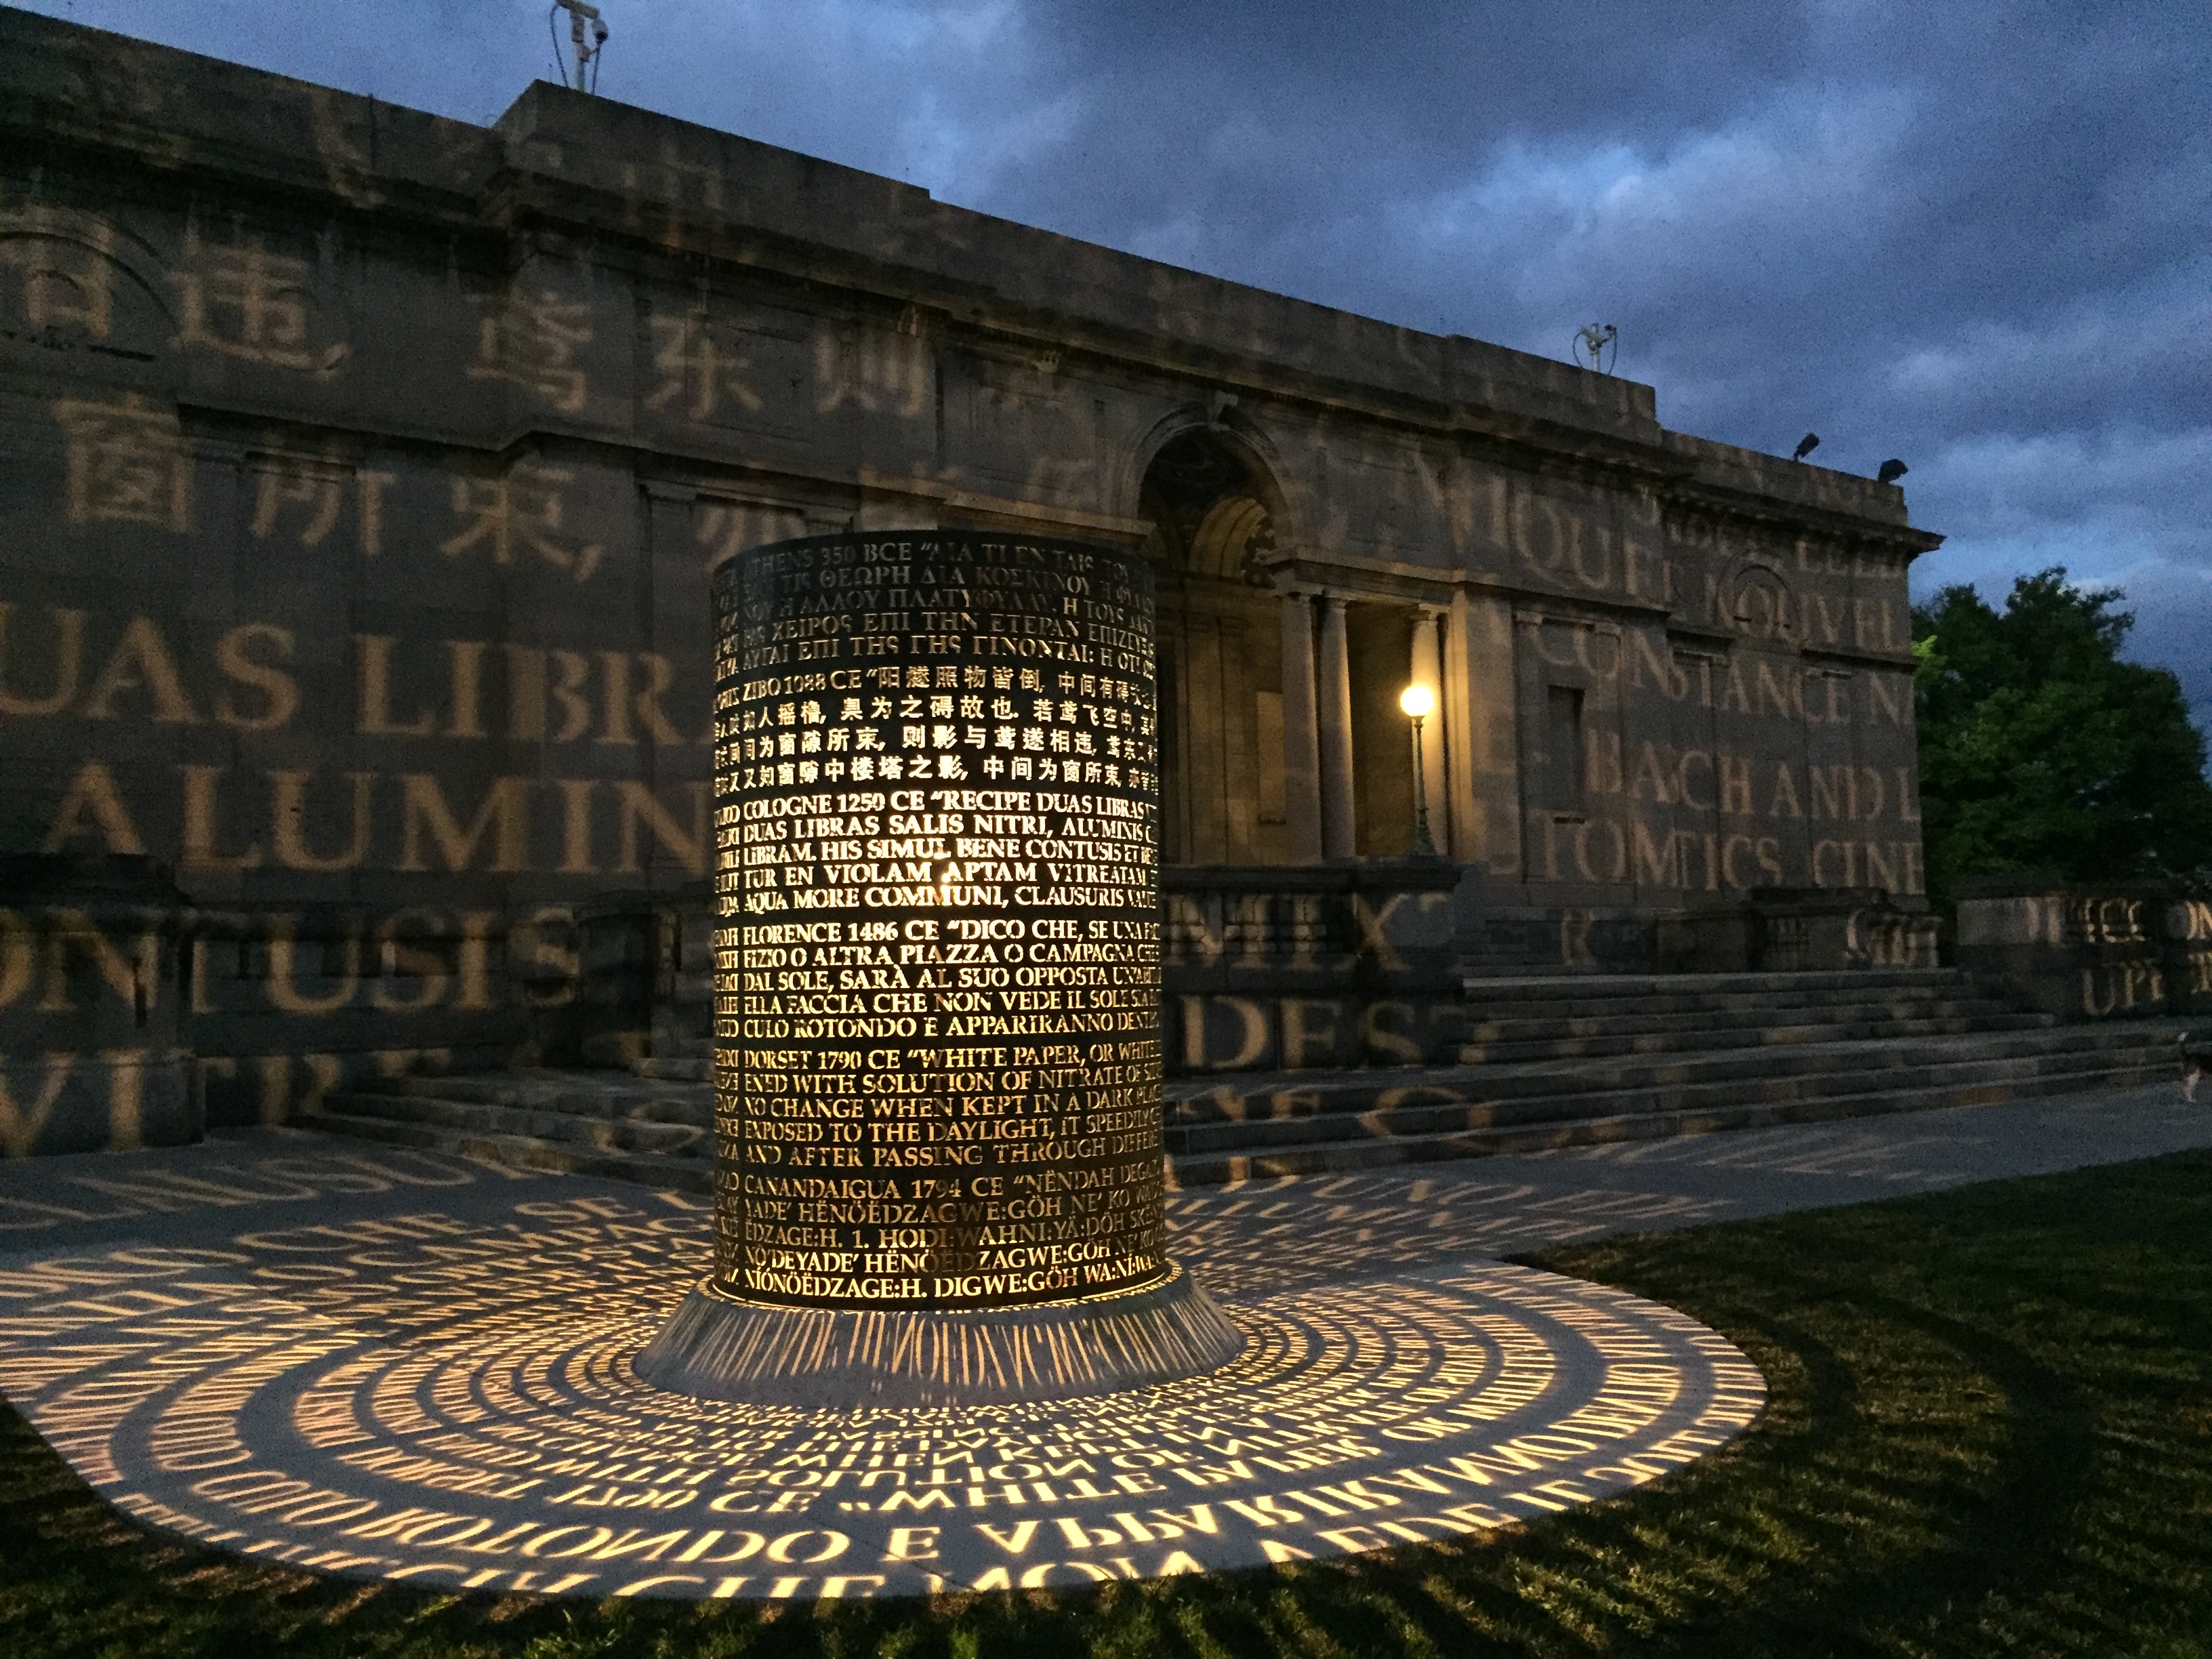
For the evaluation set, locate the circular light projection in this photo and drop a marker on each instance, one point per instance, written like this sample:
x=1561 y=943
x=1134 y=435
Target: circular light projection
x=1417 y=702
x=445 y=1399
x=937 y=981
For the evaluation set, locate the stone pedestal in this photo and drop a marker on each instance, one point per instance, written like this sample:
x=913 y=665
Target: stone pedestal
x=938 y=980
x=722 y=1347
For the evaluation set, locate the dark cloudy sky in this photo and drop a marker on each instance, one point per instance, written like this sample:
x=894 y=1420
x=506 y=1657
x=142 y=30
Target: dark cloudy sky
x=1976 y=236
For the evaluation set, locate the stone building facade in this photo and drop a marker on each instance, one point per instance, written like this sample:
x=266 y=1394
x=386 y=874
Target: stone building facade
x=358 y=468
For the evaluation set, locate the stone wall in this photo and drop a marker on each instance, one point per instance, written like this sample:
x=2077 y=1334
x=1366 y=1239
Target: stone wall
x=358 y=469
x=1382 y=964
x=2121 y=951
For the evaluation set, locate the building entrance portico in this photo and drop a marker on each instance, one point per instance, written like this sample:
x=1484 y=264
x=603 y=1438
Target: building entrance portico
x=1208 y=493
x=1285 y=742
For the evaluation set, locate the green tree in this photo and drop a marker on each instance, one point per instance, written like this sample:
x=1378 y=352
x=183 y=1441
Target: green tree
x=2041 y=750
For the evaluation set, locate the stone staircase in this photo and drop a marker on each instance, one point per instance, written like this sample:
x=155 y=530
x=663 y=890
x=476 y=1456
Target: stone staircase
x=1588 y=1018
x=1577 y=1061
x=688 y=1060
x=609 y=1123
x=1546 y=1063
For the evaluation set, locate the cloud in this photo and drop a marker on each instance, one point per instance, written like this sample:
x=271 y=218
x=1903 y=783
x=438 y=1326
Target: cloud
x=1971 y=236
x=2128 y=481
x=2116 y=509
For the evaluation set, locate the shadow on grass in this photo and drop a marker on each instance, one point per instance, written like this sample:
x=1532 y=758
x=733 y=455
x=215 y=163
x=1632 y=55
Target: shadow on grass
x=1991 y=1433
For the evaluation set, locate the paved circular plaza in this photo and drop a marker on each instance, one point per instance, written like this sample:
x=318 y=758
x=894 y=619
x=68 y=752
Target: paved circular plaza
x=434 y=1384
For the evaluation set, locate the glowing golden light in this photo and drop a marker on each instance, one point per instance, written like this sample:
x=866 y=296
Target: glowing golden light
x=457 y=1385
x=1417 y=702
x=940 y=990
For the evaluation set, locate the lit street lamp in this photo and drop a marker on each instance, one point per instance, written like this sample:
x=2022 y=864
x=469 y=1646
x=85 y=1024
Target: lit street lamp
x=1419 y=702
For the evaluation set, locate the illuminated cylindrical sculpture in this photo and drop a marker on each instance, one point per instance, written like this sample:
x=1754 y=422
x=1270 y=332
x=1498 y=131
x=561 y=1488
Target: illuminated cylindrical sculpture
x=937 y=983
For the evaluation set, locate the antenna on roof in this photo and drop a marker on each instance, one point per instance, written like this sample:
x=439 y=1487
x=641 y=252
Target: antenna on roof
x=1597 y=345
x=587 y=54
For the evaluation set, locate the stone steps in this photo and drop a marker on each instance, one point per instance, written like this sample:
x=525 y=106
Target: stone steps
x=1587 y=996
x=625 y=1133
x=1235 y=1098
x=1338 y=1157
x=1563 y=1060
x=1587 y=1017
x=619 y=1126
x=1898 y=1004
x=684 y=1060
x=1655 y=1014
x=676 y=1068
x=1578 y=1059
x=597 y=1124
x=1661 y=1037
x=516 y=1150
x=1549 y=988
x=1347 y=1107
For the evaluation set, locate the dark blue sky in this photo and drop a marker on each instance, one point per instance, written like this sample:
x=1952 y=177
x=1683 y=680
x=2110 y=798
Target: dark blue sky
x=1973 y=236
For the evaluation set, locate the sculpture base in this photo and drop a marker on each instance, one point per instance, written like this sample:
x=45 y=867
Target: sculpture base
x=717 y=1347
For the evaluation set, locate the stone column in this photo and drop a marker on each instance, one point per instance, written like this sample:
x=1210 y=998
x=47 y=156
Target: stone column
x=1427 y=669
x=932 y=1019
x=1338 y=829
x=1482 y=741
x=1301 y=755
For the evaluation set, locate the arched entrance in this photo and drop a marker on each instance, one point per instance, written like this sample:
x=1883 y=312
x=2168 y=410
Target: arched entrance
x=1213 y=509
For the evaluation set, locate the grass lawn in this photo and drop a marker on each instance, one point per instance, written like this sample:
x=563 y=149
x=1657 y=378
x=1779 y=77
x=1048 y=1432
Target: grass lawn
x=1991 y=1434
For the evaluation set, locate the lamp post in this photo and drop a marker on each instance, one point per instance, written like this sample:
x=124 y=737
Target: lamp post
x=1419 y=702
